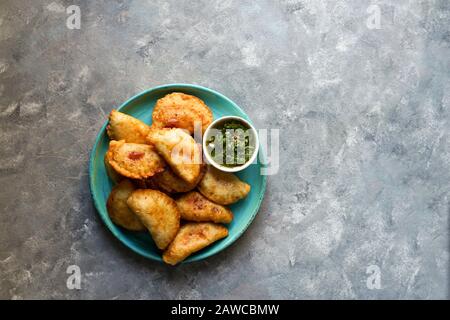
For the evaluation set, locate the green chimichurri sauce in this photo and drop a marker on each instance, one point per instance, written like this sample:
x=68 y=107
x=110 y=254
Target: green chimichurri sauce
x=231 y=144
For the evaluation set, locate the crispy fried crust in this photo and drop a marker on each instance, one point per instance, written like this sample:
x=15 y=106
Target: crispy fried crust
x=180 y=151
x=132 y=160
x=158 y=212
x=125 y=127
x=195 y=207
x=118 y=210
x=112 y=174
x=169 y=182
x=222 y=187
x=148 y=183
x=179 y=110
x=191 y=238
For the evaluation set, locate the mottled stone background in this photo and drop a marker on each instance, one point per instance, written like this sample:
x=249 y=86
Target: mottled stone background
x=364 y=153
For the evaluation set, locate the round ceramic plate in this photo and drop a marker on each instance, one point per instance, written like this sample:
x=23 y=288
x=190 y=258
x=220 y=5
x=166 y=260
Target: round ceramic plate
x=141 y=107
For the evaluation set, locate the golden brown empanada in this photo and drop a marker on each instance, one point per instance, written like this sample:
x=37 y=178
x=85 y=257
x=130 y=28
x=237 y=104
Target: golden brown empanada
x=112 y=174
x=191 y=238
x=132 y=160
x=222 y=187
x=125 y=127
x=195 y=207
x=158 y=212
x=169 y=182
x=118 y=210
x=148 y=183
x=180 y=151
x=179 y=110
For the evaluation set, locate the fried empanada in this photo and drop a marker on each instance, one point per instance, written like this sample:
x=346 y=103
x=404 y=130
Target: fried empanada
x=158 y=212
x=195 y=207
x=133 y=160
x=222 y=187
x=191 y=238
x=118 y=210
x=179 y=110
x=148 y=183
x=169 y=182
x=112 y=174
x=180 y=151
x=125 y=127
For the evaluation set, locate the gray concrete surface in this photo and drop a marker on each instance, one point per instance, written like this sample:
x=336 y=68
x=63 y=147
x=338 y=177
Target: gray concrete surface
x=364 y=152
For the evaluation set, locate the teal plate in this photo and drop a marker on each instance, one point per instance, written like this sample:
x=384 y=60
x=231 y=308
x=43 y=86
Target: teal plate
x=141 y=107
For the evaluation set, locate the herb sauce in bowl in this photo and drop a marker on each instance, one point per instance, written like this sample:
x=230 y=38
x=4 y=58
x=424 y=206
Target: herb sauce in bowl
x=230 y=144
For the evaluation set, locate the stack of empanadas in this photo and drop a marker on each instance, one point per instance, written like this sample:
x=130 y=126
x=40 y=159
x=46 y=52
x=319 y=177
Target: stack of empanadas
x=162 y=184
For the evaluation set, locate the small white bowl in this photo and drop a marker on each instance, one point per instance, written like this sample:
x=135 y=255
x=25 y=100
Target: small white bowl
x=211 y=161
